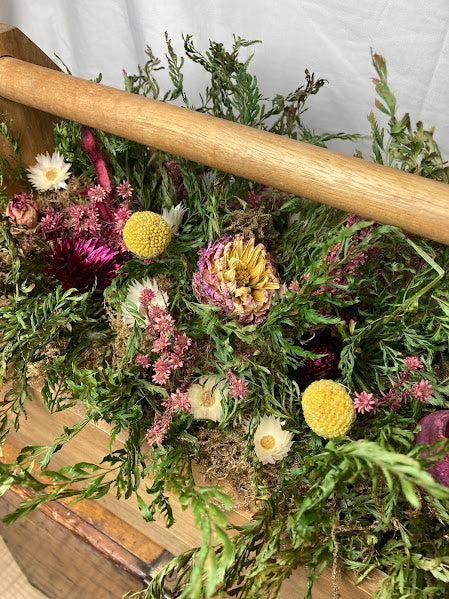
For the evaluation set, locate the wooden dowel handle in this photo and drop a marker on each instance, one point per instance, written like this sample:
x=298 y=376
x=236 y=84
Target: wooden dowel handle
x=385 y=195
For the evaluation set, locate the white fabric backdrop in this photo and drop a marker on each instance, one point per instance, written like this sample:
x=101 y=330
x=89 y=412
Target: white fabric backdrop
x=330 y=37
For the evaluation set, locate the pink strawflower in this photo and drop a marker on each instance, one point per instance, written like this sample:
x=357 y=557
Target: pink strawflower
x=125 y=190
x=364 y=402
x=238 y=388
x=294 y=285
x=143 y=360
x=422 y=390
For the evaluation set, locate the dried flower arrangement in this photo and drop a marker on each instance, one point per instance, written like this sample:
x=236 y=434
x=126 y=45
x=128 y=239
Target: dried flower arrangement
x=229 y=314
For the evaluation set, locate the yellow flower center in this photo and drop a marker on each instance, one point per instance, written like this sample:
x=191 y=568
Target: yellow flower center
x=268 y=442
x=51 y=174
x=207 y=399
x=242 y=277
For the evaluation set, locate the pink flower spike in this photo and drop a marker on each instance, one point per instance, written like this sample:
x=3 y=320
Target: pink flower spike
x=147 y=295
x=364 y=402
x=413 y=363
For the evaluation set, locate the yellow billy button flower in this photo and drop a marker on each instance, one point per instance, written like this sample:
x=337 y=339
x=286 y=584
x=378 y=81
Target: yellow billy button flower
x=146 y=234
x=328 y=408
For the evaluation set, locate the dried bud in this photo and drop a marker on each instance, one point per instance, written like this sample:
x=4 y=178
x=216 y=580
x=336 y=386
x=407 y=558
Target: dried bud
x=23 y=210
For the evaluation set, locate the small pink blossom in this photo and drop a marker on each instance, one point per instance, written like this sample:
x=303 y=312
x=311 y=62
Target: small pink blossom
x=237 y=387
x=294 y=285
x=97 y=193
x=125 y=190
x=182 y=342
x=178 y=401
x=364 y=402
x=422 y=390
x=413 y=363
x=143 y=360
x=161 y=344
x=161 y=370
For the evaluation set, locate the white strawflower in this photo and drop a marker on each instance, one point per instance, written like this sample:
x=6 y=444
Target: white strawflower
x=271 y=443
x=49 y=172
x=173 y=217
x=205 y=398
x=133 y=295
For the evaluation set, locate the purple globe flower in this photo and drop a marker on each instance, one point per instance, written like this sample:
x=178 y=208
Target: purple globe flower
x=78 y=262
x=435 y=426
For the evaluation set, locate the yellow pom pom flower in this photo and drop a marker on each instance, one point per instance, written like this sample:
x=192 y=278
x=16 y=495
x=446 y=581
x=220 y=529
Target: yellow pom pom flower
x=146 y=234
x=328 y=408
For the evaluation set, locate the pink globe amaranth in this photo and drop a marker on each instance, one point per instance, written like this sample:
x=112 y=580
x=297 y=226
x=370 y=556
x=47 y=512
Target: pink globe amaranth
x=23 y=210
x=435 y=426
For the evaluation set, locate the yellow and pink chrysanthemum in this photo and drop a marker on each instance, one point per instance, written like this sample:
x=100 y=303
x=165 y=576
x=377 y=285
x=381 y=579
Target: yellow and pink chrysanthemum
x=237 y=276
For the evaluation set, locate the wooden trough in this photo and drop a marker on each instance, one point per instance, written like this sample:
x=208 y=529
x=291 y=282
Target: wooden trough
x=32 y=89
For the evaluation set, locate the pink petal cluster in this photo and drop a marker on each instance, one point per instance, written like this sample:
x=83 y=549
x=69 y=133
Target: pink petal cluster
x=124 y=190
x=238 y=388
x=398 y=394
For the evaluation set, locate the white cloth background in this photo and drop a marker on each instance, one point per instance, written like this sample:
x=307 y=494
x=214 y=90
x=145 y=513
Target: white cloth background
x=330 y=37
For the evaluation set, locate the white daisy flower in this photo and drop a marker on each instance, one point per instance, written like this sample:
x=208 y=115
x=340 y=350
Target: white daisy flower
x=205 y=398
x=49 y=172
x=133 y=296
x=173 y=217
x=271 y=443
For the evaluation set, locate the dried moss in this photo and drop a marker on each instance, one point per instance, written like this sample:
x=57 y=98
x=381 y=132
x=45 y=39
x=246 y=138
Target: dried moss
x=253 y=222
x=62 y=198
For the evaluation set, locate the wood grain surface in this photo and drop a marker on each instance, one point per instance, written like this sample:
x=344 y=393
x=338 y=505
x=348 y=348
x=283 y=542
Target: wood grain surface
x=91 y=444
x=34 y=126
x=416 y=204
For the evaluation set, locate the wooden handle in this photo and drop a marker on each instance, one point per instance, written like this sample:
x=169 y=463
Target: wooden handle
x=416 y=204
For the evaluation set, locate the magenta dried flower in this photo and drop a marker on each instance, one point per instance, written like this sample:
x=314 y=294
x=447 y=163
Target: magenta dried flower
x=79 y=262
x=237 y=276
x=23 y=210
x=325 y=367
x=434 y=427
